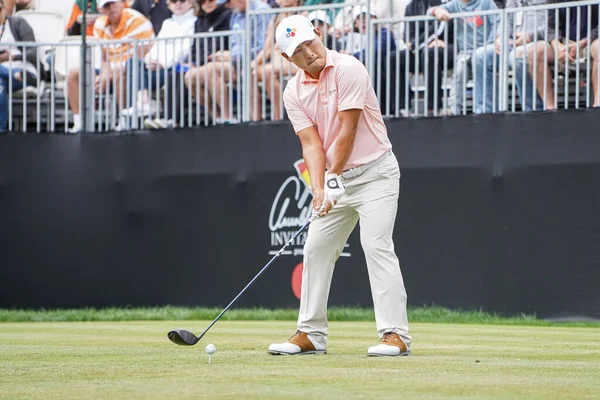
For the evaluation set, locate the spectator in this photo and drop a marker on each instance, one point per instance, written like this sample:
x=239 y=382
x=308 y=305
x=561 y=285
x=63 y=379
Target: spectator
x=157 y=11
x=17 y=66
x=528 y=29
x=473 y=34
x=321 y=20
x=565 y=44
x=269 y=65
x=426 y=46
x=344 y=23
x=165 y=54
x=212 y=16
x=381 y=36
x=76 y=19
x=92 y=14
x=116 y=22
x=224 y=64
x=331 y=14
x=24 y=5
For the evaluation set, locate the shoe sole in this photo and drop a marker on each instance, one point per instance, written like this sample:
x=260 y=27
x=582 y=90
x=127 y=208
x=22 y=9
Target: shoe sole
x=403 y=354
x=282 y=353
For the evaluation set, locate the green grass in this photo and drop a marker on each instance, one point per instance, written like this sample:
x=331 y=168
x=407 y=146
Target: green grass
x=422 y=314
x=124 y=360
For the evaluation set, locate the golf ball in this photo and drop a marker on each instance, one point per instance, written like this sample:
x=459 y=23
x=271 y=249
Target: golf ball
x=210 y=348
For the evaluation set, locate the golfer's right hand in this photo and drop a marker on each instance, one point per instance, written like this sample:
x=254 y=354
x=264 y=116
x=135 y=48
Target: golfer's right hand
x=318 y=199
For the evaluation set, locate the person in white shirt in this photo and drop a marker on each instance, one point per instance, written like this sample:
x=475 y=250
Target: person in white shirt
x=170 y=50
x=344 y=21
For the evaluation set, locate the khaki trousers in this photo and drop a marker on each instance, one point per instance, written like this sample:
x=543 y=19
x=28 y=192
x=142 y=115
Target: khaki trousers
x=372 y=198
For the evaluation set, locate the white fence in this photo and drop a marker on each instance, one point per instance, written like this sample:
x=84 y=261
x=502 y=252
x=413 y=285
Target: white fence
x=488 y=61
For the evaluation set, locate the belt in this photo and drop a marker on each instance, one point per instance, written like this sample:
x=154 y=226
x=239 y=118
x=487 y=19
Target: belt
x=356 y=171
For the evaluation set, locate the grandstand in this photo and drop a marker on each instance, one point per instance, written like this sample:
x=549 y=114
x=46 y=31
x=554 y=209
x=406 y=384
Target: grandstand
x=416 y=73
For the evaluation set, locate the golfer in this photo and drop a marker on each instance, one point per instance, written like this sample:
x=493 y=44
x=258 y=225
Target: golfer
x=354 y=175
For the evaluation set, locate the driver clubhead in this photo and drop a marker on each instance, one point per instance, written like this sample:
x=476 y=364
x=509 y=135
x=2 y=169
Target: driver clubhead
x=183 y=337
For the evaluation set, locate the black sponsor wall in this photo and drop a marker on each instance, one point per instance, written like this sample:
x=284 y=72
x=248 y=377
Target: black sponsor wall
x=497 y=212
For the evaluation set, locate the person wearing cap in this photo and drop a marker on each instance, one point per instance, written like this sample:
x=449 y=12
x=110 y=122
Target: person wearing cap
x=381 y=36
x=116 y=23
x=268 y=66
x=320 y=19
x=394 y=9
x=354 y=177
x=224 y=65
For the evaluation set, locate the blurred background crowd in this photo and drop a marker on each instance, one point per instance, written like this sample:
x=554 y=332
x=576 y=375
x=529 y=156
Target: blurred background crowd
x=169 y=63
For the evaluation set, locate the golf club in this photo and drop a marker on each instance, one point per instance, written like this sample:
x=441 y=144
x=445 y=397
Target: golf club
x=187 y=338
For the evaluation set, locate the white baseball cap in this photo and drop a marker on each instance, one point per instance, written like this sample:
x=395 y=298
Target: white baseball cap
x=319 y=15
x=358 y=10
x=102 y=3
x=292 y=31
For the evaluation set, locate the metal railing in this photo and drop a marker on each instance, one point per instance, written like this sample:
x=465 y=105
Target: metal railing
x=502 y=73
x=419 y=66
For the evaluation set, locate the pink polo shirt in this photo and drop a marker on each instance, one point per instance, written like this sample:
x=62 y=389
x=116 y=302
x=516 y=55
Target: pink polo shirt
x=344 y=84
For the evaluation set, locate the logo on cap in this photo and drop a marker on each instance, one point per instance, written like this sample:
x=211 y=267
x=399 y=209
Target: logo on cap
x=290 y=32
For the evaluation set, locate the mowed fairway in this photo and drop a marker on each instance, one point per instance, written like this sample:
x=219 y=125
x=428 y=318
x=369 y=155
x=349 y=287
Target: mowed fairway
x=123 y=360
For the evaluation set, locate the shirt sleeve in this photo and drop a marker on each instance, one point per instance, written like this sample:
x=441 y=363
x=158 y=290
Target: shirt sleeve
x=295 y=113
x=140 y=28
x=353 y=84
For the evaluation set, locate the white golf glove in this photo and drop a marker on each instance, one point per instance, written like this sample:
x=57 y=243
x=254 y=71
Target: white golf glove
x=334 y=189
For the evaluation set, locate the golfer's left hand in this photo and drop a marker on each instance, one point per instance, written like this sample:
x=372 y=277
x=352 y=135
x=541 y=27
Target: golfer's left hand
x=334 y=188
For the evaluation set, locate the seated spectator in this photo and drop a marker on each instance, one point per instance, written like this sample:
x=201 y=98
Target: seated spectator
x=269 y=65
x=116 y=22
x=24 y=5
x=381 y=36
x=473 y=34
x=76 y=19
x=565 y=49
x=430 y=51
x=344 y=22
x=519 y=42
x=164 y=55
x=17 y=65
x=212 y=16
x=321 y=20
x=157 y=11
x=331 y=14
x=224 y=65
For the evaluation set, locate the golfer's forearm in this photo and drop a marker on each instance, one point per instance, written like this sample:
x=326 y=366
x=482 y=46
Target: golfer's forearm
x=314 y=156
x=343 y=147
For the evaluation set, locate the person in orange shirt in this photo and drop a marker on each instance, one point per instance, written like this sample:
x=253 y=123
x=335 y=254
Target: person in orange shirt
x=75 y=21
x=116 y=23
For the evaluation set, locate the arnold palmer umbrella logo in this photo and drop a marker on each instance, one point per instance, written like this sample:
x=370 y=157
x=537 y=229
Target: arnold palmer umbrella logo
x=291 y=208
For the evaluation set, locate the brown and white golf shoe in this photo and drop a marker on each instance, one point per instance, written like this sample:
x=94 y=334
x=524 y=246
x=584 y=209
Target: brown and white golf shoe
x=300 y=343
x=390 y=345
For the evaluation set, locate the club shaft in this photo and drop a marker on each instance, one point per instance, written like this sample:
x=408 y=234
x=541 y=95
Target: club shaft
x=275 y=257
